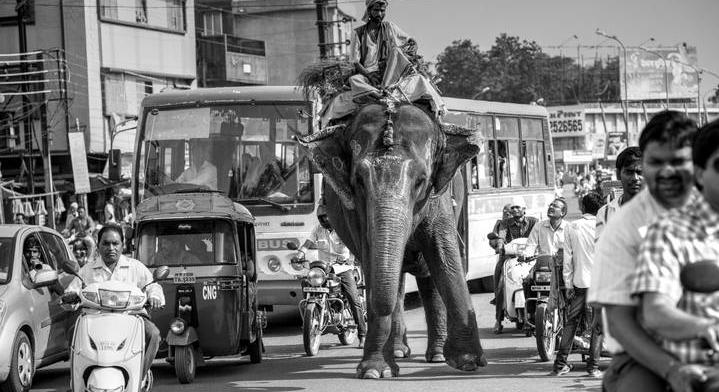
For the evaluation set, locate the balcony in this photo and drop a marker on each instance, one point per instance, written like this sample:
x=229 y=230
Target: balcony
x=228 y=60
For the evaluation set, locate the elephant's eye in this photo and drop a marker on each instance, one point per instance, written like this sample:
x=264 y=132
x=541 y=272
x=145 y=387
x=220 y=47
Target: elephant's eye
x=419 y=184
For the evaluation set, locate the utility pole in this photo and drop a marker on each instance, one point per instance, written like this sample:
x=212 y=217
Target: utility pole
x=321 y=24
x=21 y=9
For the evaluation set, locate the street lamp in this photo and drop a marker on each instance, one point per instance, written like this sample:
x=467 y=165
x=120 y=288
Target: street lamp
x=482 y=91
x=666 y=70
x=626 y=99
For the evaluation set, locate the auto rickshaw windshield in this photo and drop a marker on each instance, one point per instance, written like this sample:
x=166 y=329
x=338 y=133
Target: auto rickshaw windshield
x=186 y=242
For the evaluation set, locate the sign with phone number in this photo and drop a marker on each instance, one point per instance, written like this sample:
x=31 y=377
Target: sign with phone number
x=564 y=122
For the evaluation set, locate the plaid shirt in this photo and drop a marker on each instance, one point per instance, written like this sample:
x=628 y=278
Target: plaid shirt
x=682 y=236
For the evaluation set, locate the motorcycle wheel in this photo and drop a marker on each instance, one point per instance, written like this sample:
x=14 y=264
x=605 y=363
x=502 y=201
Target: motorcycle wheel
x=350 y=328
x=255 y=348
x=545 y=333
x=311 y=334
x=185 y=364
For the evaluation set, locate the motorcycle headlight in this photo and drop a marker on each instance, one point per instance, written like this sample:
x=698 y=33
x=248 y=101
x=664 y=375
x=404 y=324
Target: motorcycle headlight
x=177 y=326
x=316 y=277
x=114 y=299
x=542 y=276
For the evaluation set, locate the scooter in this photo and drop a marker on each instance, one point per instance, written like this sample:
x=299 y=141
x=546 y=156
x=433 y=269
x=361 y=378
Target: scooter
x=515 y=270
x=108 y=344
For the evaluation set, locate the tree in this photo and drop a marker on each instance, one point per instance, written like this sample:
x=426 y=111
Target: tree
x=460 y=68
x=515 y=70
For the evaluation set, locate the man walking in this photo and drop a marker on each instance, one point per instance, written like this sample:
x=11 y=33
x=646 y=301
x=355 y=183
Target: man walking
x=578 y=259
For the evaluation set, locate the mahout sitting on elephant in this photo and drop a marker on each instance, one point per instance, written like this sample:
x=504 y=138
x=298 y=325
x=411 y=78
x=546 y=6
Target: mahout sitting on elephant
x=388 y=168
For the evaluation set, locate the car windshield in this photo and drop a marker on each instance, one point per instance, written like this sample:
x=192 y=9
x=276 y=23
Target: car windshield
x=246 y=152
x=6 y=253
x=187 y=242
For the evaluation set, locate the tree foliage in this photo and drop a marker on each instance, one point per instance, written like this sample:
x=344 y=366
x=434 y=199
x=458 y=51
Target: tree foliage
x=515 y=70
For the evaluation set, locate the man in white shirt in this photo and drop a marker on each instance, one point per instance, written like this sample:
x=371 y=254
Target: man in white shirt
x=578 y=259
x=548 y=234
x=639 y=363
x=332 y=249
x=111 y=265
x=201 y=171
x=629 y=172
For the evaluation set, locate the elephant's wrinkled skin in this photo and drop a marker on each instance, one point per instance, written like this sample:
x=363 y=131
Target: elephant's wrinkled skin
x=388 y=203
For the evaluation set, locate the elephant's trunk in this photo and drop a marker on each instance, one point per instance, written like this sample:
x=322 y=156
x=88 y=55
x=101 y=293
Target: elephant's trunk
x=389 y=232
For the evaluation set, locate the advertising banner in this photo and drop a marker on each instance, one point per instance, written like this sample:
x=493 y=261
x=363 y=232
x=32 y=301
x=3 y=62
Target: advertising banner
x=651 y=75
x=78 y=158
x=566 y=122
x=616 y=142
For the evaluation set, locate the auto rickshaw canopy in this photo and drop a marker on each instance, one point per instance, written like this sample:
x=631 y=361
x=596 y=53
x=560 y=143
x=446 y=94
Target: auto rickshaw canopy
x=192 y=205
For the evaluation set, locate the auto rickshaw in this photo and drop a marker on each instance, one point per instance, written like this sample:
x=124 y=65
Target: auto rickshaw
x=208 y=242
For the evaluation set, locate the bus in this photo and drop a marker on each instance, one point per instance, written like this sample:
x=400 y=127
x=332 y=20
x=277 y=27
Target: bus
x=516 y=160
x=251 y=155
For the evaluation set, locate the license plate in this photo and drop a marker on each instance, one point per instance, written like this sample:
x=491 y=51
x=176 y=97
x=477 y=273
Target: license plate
x=184 y=277
x=540 y=288
x=315 y=290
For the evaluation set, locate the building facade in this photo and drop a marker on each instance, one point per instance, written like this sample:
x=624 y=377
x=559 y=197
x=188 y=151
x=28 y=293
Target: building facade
x=589 y=134
x=111 y=54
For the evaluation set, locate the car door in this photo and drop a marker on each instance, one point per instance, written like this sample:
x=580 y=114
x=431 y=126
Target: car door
x=60 y=319
x=40 y=298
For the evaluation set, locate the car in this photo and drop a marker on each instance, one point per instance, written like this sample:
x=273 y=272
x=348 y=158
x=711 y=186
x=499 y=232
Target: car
x=33 y=326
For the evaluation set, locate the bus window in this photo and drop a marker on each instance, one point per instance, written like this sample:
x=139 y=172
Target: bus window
x=533 y=151
x=502 y=163
x=482 y=174
x=515 y=164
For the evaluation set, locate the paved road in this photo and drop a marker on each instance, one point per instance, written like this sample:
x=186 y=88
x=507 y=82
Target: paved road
x=513 y=365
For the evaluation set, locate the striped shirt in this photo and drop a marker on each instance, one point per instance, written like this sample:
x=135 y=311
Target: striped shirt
x=680 y=237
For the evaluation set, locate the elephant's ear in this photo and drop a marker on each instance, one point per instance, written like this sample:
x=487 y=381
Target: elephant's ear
x=326 y=152
x=461 y=145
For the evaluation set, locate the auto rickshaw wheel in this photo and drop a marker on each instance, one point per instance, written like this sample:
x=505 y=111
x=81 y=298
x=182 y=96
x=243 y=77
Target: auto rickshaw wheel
x=311 y=333
x=185 y=364
x=349 y=331
x=545 y=332
x=255 y=348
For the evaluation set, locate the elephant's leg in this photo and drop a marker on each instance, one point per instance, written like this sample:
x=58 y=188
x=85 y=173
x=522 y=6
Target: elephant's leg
x=436 y=316
x=398 y=336
x=463 y=349
x=377 y=359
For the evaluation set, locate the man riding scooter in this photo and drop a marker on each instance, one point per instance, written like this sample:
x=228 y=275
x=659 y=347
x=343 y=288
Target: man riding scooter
x=518 y=225
x=112 y=265
x=332 y=249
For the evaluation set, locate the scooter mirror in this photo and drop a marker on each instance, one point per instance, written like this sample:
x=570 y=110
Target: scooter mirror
x=71 y=268
x=292 y=246
x=700 y=277
x=161 y=272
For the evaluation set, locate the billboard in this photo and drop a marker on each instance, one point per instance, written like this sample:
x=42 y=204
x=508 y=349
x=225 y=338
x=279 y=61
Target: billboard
x=648 y=73
x=566 y=121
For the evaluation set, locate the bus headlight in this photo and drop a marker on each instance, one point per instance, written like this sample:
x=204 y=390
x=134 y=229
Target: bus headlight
x=316 y=277
x=274 y=264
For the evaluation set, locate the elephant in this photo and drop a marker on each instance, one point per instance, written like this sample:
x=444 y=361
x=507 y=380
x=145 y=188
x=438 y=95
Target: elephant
x=388 y=169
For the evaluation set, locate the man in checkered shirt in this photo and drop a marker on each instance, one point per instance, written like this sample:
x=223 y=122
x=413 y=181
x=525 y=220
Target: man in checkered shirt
x=682 y=319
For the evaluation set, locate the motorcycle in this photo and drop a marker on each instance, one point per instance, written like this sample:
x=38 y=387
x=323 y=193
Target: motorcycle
x=324 y=308
x=515 y=270
x=108 y=343
x=546 y=306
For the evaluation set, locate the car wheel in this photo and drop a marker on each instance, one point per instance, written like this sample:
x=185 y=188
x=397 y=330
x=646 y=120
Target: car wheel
x=22 y=366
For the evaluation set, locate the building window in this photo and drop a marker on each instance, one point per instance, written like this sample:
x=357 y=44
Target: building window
x=212 y=22
x=163 y=14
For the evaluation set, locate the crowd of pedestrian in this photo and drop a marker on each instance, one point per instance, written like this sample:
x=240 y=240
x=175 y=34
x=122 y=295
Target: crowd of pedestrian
x=626 y=259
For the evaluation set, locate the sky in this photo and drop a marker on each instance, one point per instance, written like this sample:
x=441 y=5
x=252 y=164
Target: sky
x=436 y=23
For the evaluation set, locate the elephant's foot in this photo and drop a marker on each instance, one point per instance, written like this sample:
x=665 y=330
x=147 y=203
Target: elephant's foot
x=401 y=350
x=434 y=355
x=459 y=358
x=375 y=369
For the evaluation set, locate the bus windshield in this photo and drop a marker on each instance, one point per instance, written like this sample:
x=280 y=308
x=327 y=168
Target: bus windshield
x=245 y=151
